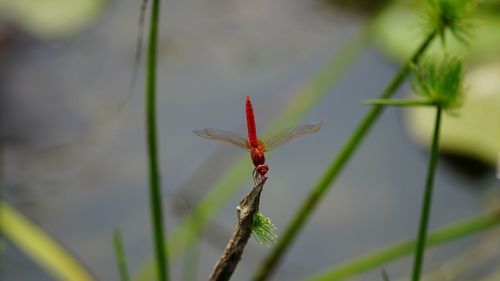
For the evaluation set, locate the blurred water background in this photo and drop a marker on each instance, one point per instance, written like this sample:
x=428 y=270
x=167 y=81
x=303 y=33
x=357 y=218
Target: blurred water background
x=74 y=149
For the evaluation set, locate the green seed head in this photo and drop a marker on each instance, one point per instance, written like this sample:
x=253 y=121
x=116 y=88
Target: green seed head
x=455 y=16
x=442 y=83
x=263 y=230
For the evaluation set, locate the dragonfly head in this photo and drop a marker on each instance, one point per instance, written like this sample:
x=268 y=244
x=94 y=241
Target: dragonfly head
x=262 y=169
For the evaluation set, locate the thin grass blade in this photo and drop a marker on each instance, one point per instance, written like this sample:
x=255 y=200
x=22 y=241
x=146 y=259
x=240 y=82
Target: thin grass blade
x=158 y=226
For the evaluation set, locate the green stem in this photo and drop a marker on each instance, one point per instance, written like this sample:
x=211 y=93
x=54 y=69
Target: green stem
x=159 y=237
x=333 y=171
x=427 y=200
x=398 y=102
x=376 y=258
x=120 y=256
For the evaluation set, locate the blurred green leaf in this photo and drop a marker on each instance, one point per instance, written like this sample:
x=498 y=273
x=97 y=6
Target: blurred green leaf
x=372 y=260
x=51 y=19
x=40 y=247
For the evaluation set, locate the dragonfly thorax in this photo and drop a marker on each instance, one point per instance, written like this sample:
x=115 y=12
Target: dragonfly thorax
x=257 y=156
x=253 y=143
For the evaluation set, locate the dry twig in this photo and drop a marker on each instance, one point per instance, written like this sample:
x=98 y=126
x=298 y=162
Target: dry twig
x=246 y=210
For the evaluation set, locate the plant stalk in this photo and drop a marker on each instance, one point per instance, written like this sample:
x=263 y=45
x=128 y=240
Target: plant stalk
x=309 y=205
x=427 y=200
x=160 y=244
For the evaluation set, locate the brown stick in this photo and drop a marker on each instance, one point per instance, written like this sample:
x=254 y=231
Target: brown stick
x=246 y=210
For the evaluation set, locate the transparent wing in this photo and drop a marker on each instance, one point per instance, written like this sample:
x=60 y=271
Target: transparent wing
x=224 y=136
x=290 y=134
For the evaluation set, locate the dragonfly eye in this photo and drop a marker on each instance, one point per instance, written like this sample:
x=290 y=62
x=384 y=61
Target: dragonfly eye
x=262 y=169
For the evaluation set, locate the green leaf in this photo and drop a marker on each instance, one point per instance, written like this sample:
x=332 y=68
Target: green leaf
x=51 y=19
x=40 y=247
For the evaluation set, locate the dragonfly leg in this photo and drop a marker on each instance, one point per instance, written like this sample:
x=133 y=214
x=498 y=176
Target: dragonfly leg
x=259 y=173
x=255 y=175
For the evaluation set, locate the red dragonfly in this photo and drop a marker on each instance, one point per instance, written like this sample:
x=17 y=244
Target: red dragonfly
x=256 y=146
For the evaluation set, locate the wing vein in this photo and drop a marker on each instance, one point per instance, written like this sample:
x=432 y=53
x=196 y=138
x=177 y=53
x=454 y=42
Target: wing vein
x=233 y=138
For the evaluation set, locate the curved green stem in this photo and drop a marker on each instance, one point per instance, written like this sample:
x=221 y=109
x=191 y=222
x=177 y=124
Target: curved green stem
x=376 y=258
x=333 y=170
x=160 y=244
x=427 y=200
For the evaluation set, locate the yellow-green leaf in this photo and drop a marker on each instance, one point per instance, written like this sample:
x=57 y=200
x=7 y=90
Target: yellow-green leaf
x=51 y=19
x=40 y=247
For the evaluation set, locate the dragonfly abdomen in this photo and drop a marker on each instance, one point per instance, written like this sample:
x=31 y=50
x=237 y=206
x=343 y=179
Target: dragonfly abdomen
x=252 y=130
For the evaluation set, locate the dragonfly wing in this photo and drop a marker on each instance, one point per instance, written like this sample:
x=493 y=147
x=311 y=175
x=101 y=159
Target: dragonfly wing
x=290 y=134
x=224 y=136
